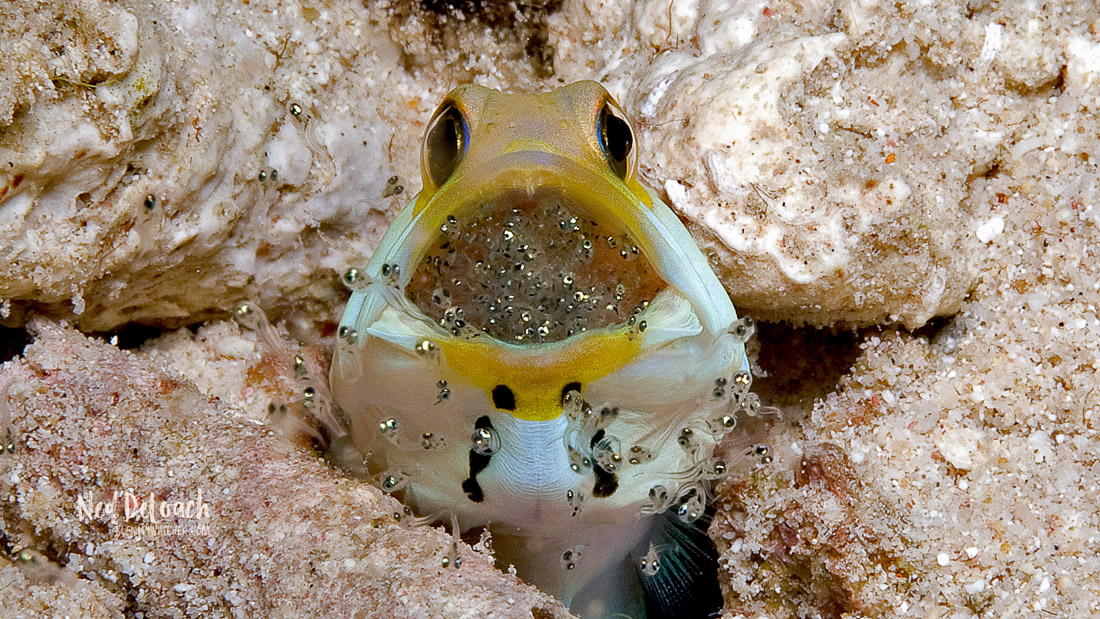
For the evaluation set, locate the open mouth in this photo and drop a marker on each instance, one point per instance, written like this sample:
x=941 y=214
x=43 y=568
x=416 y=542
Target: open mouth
x=531 y=268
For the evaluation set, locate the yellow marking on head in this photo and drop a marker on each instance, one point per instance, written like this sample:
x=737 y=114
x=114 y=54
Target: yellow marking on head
x=562 y=124
x=536 y=373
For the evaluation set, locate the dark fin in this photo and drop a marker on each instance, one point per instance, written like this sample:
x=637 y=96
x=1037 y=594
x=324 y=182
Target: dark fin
x=686 y=583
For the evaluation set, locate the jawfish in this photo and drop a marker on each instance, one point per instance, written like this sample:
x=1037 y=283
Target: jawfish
x=539 y=348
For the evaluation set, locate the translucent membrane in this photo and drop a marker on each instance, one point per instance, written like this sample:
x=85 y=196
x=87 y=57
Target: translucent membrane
x=531 y=269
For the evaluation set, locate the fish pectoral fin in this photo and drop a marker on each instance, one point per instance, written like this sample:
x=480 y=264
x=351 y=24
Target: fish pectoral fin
x=670 y=317
x=684 y=584
x=398 y=326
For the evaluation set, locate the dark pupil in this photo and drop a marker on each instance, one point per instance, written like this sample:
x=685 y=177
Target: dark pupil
x=503 y=398
x=445 y=145
x=616 y=140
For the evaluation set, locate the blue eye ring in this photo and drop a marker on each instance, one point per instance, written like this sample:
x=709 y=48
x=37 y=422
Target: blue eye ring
x=445 y=142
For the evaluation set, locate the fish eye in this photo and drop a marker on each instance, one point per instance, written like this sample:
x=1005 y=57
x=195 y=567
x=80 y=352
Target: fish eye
x=616 y=139
x=503 y=398
x=445 y=143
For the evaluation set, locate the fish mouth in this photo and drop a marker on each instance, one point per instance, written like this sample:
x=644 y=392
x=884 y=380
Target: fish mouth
x=532 y=265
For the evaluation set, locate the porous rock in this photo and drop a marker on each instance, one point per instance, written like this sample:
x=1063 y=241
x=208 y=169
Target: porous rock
x=824 y=154
x=161 y=163
x=950 y=471
x=283 y=534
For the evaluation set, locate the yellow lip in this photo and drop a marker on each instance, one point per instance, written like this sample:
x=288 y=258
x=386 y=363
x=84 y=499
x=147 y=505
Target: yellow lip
x=537 y=373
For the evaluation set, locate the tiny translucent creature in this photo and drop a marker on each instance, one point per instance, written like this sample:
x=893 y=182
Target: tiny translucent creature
x=650 y=563
x=537 y=346
x=309 y=415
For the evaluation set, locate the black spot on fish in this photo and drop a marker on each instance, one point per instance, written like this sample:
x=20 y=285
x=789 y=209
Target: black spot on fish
x=478 y=462
x=473 y=490
x=503 y=398
x=573 y=386
x=606 y=483
x=596 y=438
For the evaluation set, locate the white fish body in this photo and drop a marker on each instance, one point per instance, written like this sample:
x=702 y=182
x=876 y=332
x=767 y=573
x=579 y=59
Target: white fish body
x=537 y=345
